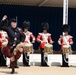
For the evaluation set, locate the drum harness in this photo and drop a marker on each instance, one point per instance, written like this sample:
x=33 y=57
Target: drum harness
x=27 y=59
x=45 y=54
x=64 y=37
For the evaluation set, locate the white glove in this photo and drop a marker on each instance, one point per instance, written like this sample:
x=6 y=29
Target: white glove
x=42 y=41
x=4 y=17
x=33 y=41
x=51 y=42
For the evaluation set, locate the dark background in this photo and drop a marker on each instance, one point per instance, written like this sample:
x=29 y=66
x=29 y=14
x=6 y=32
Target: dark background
x=37 y=15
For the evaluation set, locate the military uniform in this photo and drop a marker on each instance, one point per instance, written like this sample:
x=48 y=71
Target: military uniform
x=29 y=36
x=65 y=40
x=44 y=38
x=3 y=39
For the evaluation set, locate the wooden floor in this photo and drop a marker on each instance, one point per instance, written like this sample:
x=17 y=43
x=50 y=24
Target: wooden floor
x=37 y=70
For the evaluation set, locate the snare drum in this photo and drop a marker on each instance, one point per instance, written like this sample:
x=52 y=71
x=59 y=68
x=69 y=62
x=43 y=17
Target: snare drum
x=19 y=48
x=28 y=47
x=48 y=48
x=66 y=49
x=4 y=42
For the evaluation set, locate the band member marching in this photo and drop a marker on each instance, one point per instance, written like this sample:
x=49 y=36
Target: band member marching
x=16 y=36
x=29 y=36
x=3 y=42
x=65 y=41
x=44 y=38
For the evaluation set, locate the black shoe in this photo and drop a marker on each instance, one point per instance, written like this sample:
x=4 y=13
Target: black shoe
x=12 y=73
x=16 y=67
x=26 y=65
x=9 y=67
x=44 y=65
x=64 y=66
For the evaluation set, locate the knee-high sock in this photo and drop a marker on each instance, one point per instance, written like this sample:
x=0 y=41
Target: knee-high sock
x=12 y=66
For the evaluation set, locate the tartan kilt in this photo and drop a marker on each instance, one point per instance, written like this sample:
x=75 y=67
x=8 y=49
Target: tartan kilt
x=18 y=55
x=6 y=51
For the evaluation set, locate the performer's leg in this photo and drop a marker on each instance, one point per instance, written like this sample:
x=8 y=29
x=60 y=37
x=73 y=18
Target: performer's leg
x=28 y=61
x=46 y=59
x=16 y=65
x=12 y=64
x=25 y=59
x=43 y=63
x=42 y=57
x=67 y=62
x=18 y=55
x=64 y=60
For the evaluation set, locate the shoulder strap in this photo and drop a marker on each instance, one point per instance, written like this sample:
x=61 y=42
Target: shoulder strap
x=45 y=37
x=65 y=40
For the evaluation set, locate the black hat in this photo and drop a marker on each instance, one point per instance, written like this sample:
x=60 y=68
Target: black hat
x=26 y=24
x=12 y=20
x=66 y=28
x=45 y=26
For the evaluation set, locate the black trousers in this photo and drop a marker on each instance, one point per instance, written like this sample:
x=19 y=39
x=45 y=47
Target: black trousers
x=25 y=59
x=2 y=59
x=43 y=63
x=64 y=60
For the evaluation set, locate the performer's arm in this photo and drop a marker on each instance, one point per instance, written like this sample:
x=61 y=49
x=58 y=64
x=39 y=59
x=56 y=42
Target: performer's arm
x=4 y=26
x=70 y=41
x=22 y=35
x=39 y=39
x=50 y=39
x=59 y=41
x=4 y=22
x=33 y=38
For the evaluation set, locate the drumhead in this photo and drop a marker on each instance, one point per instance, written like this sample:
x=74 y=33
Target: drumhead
x=48 y=45
x=5 y=43
x=66 y=46
x=28 y=45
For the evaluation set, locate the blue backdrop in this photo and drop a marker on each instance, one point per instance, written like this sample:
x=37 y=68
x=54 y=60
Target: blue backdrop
x=37 y=15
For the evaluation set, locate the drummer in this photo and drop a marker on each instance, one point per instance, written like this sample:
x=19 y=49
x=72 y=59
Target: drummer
x=65 y=39
x=3 y=39
x=29 y=36
x=44 y=38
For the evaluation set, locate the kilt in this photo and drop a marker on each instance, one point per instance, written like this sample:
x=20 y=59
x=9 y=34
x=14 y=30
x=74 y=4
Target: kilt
x=6 y=51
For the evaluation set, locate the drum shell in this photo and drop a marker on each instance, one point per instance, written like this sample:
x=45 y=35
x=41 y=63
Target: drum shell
x=48 y=49
x=66 y=49
x=28 y=48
